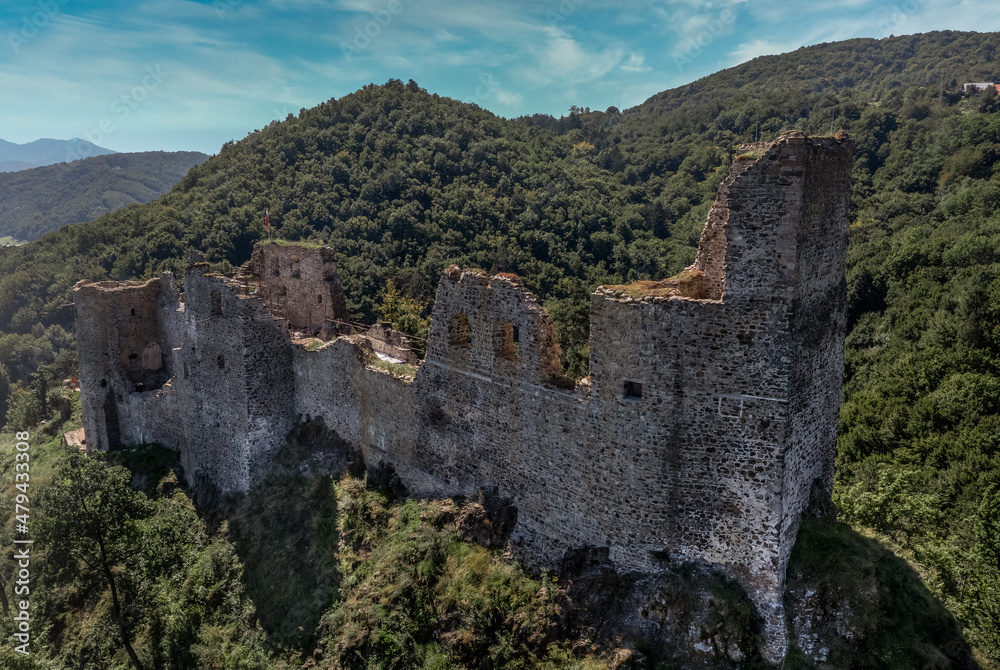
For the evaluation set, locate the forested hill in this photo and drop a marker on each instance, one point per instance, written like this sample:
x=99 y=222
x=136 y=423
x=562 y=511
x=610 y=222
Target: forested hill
x=940 y=60
x=401 y=183
x=41 y=200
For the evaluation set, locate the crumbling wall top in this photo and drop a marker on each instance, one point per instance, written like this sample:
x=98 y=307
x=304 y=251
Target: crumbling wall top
x=752 y=237
x=492 y=325
x=299 y=283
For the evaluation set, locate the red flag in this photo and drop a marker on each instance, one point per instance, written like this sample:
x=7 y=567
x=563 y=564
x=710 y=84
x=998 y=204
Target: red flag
x=267 y=219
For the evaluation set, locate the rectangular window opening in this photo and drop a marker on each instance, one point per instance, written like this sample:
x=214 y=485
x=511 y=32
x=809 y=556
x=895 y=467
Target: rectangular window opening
x=508 y=336
x=458 y=330
x=633 y=389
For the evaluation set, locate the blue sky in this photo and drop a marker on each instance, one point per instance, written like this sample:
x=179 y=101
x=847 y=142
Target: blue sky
x=141 y=75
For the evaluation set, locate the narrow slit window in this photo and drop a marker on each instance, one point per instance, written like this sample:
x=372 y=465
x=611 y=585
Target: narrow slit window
x=508 y=346
x=216 y=303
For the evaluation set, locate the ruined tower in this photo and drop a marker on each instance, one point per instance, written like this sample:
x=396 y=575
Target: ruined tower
x=705 y=430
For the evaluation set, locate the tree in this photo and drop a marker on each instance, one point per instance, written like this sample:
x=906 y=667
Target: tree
x=87 y=521
x=987 y=528
x=989 y=101
x=4 y=389
x=982 y=602
x=40 y=388
x=22 y=407
x=404 y=314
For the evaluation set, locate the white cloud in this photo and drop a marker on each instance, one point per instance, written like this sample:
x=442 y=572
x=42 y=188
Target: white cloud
x=635 y=63
x=509 y=99
x=760 y=47
x=561 y=58
x=85 y=71
x=923 y=15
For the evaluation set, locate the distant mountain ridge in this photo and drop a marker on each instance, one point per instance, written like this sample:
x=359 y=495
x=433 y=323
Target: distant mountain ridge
x=15 y=157
x=40 y=200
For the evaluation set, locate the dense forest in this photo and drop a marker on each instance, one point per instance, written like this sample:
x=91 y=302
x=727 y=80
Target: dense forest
x=402 y=183
x=42 y=200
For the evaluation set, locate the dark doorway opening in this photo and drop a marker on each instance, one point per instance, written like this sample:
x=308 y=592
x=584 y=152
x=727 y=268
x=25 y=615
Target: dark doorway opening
x=112 y=427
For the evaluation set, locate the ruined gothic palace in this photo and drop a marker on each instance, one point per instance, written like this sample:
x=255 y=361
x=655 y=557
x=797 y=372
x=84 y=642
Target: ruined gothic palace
x=705 y=430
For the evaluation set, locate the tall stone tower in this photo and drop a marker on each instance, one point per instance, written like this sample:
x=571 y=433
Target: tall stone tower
x=774 y=247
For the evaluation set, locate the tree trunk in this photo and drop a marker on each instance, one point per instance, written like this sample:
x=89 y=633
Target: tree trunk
x=3 y=597
x=117 y=607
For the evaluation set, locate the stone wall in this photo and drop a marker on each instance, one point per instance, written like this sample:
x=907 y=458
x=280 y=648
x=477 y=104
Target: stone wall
x=492 y=326
x=705 y=427
x=788 y=249
x=236 y=383
x=129 y=331
x=300 y=284
x=391 y=342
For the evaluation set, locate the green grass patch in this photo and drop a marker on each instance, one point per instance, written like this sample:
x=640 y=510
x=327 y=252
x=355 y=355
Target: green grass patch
x=46 y=446
x=686 y=283
x=404 y=370
x=416 y=596
x=312 y=344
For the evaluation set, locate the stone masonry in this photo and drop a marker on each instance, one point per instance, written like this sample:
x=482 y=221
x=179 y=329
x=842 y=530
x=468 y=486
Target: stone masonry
x=299 y=284
x=705 y=431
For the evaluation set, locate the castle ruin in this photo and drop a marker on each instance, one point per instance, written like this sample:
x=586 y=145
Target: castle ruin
x=705 y=431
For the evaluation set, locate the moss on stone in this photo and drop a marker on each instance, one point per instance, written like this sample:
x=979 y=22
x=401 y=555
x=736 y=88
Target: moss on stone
x=687 y=283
